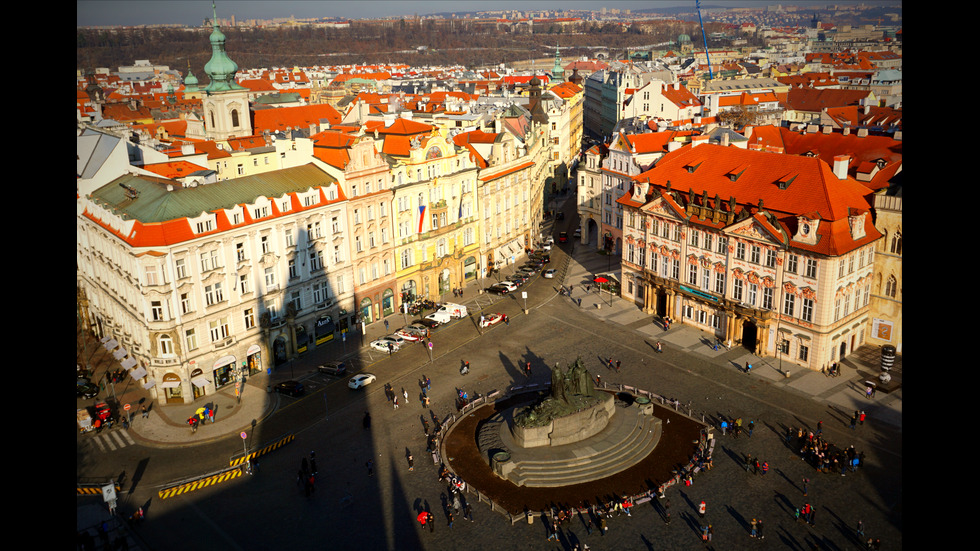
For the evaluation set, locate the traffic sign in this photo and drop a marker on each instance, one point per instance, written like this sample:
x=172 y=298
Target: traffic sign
x=244 y=436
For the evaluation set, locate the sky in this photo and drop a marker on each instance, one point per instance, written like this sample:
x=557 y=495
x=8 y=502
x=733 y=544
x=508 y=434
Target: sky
x=193 y=12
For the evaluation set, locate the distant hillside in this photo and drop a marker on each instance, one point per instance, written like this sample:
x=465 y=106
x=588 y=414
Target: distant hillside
x=403 y=42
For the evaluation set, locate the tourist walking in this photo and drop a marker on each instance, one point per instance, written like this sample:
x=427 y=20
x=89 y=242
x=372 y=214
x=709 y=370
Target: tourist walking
x=701 y=509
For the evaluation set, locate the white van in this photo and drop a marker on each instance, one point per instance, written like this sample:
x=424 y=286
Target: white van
x=447 y=312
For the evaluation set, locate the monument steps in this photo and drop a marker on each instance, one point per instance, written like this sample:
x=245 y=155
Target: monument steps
x=632 y=438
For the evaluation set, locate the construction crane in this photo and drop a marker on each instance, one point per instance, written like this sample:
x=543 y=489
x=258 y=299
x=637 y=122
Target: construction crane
x=697 y=4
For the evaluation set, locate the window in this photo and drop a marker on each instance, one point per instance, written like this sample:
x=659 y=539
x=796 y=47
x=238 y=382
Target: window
x=740 y=251
x=270 y=277
x=243 y=284
x=218 y=329
x=181 y=268
x=720 y=283
x=804 y=353
x=296 y=300
x=722 y=245
x=692 y=274
x=316 y=260
x=185 y=303
x=807 y=310
x=289 y=237
x=895 y=246
x=737 y=290
x=334 y=225
x=156 y=310
x=293 y=273
x=240 y=252
x=891 y=287
x=811 y=268
x=320 y=293
x=151 y=275
x=209 y=261
x=767 y=298
x=213 y=294
x=265 y=244
x=166 y=345
x=755 y=250
x=789 y=304
x=753 y=291
x=792 y=263
x=337 y=257
x=249 y=318
x=190 y=339
x=770 y=258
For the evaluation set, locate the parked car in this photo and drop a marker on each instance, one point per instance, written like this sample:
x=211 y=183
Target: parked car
x=501 y=288
x=491 y=319
x=408 y=335
x=361 y=380
x=86 y=389
x=388 y=343
x=430 y=323
x=518 y=278
x=417 y=329
x=577 y=233
x=563 y=237
x=292 y=388
x=542 y=258
x=550 y=274
x=333 y=368
x=544 y=246
x=529 y=268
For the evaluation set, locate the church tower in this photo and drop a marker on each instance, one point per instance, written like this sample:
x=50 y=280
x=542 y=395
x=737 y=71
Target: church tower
x=226 y=112
x=557 y=71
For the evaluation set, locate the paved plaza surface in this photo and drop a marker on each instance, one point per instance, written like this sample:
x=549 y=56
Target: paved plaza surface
x=351 y=509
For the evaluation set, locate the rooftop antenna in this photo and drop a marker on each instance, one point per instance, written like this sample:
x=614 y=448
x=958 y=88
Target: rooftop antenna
x=697 y=4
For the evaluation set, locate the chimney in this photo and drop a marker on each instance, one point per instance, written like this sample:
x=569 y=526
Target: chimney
x=698 y=140
x=724 y=139
x=840 y=166
x=673 y=145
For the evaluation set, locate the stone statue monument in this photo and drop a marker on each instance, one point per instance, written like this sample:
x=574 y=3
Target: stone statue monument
x=572 y=411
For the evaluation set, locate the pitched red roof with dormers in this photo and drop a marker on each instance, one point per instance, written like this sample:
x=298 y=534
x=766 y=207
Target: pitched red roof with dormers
x=300 y=116
x=709 y=169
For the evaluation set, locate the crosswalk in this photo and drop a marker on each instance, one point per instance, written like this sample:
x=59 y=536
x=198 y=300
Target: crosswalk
x=112 y=440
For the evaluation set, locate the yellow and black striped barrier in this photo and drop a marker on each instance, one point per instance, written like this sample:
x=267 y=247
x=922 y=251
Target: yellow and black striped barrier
x=200 y=483
x=236 y=461
x=94 y=489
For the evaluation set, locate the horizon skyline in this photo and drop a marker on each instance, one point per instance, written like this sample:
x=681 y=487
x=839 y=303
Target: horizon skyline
x=114 y=13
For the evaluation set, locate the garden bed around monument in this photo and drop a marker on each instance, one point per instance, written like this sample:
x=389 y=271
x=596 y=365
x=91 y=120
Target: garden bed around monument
x=462 y=455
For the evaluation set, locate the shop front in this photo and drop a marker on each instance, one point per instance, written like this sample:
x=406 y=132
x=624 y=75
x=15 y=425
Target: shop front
x=323 y=329
x=173 y=391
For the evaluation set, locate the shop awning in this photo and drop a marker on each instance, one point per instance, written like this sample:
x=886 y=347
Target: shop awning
x=120 y=354
x=138 y=373
x=149 y=384
x=170 y=384
x=199 y=381
x=110 y=344
x=128 y=362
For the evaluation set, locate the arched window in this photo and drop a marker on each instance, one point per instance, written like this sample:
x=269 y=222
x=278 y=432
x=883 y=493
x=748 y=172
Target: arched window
x=234 y=118
x=166 y=345
x=891 y=287
x=896 y=244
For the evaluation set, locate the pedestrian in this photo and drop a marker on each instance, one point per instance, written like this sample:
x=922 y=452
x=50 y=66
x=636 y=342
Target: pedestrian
x=704 y=533
x=468 y=512
x=701 y=509
x=748 y=367
x=765 y=468
x=395 y=401
x=411 y=462
x=451 y=517
x=854 y=419
x=751 y=427
x=748 y=462
x=429 y=519
x=425 y=401
x=370 y=467
x=759 y=528
x=144 y=412
x=506 y=320
x=861 y=416
x=867 y=393
x=806 y=483
x=598 y=380
x=602 y=526
x=367 y=420
x=405 y=394
x=860 y=528
x=609 y=362
x=422 y=518
x=386 y=326
x=724 y=427
x=753 y=528
x=819 y=428
x=660 y=347
x=617 y=366
x=755 y=466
